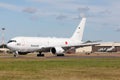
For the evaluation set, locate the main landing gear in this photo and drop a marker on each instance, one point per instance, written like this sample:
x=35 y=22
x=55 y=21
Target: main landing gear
x=60 y=55
x=40 y=54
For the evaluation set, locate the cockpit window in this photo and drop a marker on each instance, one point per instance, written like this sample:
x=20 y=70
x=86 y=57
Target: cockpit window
x=11 y=41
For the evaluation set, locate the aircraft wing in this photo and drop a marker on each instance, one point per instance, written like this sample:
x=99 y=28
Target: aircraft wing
x=87 y=44
x=81 y=45
x=66 y=48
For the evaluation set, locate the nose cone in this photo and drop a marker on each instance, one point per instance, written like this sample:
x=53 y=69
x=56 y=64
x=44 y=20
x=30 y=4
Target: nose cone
x=8 y=45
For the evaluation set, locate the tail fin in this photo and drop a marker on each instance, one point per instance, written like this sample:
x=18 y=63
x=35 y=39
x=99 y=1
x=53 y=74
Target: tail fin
x=78 y=34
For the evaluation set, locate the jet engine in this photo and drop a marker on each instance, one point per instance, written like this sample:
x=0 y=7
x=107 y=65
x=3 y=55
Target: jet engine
x=57 y=51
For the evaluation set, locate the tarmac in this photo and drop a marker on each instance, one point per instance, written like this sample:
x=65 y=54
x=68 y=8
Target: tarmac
x=77 y=55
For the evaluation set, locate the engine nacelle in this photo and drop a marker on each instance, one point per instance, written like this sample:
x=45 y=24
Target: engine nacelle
x=57 y=51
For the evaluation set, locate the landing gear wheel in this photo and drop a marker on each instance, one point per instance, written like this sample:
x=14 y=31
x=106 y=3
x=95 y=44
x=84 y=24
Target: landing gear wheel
x=60 y=54
x=15 y=54
x=40 y=55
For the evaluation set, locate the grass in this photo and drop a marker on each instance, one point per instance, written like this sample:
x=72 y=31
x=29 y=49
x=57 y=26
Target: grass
x=59 y=69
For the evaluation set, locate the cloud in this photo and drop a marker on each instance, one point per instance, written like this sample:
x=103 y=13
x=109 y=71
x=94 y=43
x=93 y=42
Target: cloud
x=61 y=17
x=30 y=10
x=69 y=9
x=106 y=12
x=41 y=1
x=9 y=6
x=34 y=18
x=77 y=17
x=83 y=9
x=12 y=7
x=118 y=30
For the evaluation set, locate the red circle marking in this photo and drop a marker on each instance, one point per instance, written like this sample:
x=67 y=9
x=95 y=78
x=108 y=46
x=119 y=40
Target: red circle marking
x=66 y=42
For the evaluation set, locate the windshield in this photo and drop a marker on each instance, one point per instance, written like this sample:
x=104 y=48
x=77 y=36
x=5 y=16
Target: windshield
x=11 y=41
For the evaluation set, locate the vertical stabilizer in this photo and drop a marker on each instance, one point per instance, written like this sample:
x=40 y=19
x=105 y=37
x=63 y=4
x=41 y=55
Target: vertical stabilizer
x=78 y=34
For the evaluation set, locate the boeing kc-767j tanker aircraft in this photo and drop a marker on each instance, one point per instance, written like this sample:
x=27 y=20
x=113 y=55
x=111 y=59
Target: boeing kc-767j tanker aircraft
x=57 y=46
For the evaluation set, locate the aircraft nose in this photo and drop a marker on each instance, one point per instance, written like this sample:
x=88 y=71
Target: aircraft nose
x=9 y=45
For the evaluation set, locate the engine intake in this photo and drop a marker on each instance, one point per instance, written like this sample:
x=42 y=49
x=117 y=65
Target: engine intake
x=57 y=51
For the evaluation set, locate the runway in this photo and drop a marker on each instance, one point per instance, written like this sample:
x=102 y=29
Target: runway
x=85 y=57
x=67 y=56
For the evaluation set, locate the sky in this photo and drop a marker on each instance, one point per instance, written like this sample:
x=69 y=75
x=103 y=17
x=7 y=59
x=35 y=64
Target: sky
x=59 y=18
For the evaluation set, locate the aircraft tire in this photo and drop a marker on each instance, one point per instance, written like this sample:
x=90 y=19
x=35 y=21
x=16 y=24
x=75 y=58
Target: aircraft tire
x=15 y=55
x=40 y=55
x=60 y=54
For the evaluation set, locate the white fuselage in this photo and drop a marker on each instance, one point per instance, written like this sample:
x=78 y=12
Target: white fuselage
x=29 y=44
